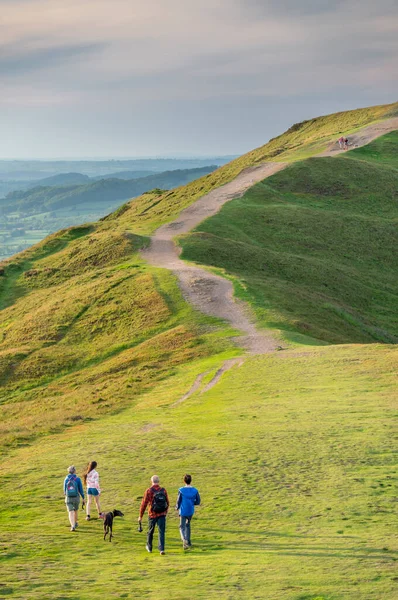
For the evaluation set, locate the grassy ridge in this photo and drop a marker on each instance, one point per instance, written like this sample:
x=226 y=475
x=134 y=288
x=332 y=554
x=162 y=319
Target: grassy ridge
x=148 y=212
x=290 y=511
x=313 y=247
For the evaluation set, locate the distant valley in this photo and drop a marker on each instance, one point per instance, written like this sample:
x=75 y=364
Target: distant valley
x=24 y=174
x=46 y=205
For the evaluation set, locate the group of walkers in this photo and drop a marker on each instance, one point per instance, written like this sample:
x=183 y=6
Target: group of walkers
x=155 y=499
x=343 y=143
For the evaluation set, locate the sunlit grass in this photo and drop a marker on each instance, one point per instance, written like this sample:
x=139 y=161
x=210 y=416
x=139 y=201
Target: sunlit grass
x=292 y=454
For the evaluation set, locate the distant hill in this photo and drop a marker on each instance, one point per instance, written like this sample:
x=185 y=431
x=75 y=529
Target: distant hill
x=79 y=178
x=29 y=170
x=25 y=174
x=50 y=198
x=61 y=179
x=125 y=175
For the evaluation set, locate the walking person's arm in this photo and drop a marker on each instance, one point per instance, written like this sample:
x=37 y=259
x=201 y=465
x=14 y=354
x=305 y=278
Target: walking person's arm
x=197 y=499
x=168 y=501
x=143 y=506
x=179 y=500
x=80 y=488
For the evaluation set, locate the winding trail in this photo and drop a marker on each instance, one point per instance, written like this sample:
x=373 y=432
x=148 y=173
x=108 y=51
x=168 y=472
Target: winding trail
x=207 y=292
x=211 y=293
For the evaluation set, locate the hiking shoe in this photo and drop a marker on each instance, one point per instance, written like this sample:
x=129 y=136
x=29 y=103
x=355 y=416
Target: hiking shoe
x=162 y=552
x=76 y=525
x=88 y=518
x=73 y=528
x=185 y=545
x=148 y=549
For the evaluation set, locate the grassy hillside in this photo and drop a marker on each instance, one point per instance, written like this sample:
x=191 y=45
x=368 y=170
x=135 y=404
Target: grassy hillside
x=85 y=327
x=82 y=304
x=302 y=140
x=291 y=511
x=313 y=247
x=291 y=451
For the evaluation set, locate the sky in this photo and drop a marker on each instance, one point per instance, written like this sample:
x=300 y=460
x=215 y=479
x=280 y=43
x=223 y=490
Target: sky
x=133 y=78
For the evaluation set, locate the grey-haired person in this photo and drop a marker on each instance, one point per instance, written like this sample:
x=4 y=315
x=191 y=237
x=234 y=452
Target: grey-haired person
x=73 y=489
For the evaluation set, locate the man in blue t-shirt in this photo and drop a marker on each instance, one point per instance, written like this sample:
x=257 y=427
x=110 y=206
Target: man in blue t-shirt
x=188 y=498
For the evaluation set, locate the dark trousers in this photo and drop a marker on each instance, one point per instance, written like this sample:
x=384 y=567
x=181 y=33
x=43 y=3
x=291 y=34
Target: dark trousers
x=161 y=523
x=185 y=529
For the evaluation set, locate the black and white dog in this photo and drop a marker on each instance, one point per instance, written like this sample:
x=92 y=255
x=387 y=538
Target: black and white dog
x=108 y=522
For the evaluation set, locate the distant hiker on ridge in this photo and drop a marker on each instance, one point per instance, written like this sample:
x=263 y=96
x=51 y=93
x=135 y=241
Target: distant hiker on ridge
x=188 y=498
x=72 y=490
x=341 y=142
x=157 y=499
x=345 y=143
x=91 y=480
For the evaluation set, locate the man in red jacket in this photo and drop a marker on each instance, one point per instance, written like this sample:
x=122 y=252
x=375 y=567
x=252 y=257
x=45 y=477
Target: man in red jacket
x=157 y=499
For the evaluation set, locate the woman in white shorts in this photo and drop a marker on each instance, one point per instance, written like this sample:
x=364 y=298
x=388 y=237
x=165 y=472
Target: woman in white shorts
x=91 y=480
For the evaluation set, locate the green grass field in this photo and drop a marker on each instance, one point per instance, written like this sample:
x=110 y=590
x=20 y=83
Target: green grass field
x=312 y=248
x=293 y=452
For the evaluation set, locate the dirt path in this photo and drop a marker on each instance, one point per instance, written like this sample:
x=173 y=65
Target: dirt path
x=364 y=136
x=210 y=293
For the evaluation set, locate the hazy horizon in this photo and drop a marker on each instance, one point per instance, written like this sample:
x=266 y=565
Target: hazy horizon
x=114 y=158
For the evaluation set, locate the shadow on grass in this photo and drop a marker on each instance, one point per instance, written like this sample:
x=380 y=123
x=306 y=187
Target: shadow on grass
x=304 y=548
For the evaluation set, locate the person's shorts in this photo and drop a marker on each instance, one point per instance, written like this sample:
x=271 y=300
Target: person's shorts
x=72 y=503
x=92 y=492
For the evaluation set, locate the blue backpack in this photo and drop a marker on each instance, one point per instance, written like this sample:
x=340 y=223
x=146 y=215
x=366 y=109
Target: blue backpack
x=72 y=489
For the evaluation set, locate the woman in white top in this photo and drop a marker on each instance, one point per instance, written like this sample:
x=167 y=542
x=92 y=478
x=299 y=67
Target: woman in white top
x=91 y=480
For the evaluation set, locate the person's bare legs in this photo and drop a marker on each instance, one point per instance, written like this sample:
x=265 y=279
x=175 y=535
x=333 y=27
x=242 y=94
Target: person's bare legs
x=97 y=502
x=88 y=506
x=72 y=517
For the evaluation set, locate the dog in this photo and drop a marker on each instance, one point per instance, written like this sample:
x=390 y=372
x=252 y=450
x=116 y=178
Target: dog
x=108 y=522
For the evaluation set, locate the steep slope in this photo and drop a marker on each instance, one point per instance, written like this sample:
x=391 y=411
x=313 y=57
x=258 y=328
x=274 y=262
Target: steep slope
x=313 y=247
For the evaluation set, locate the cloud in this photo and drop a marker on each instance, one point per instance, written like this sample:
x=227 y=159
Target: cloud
x=315 y=8
x=16 y=61
x=123 y=56
x=292 y=7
